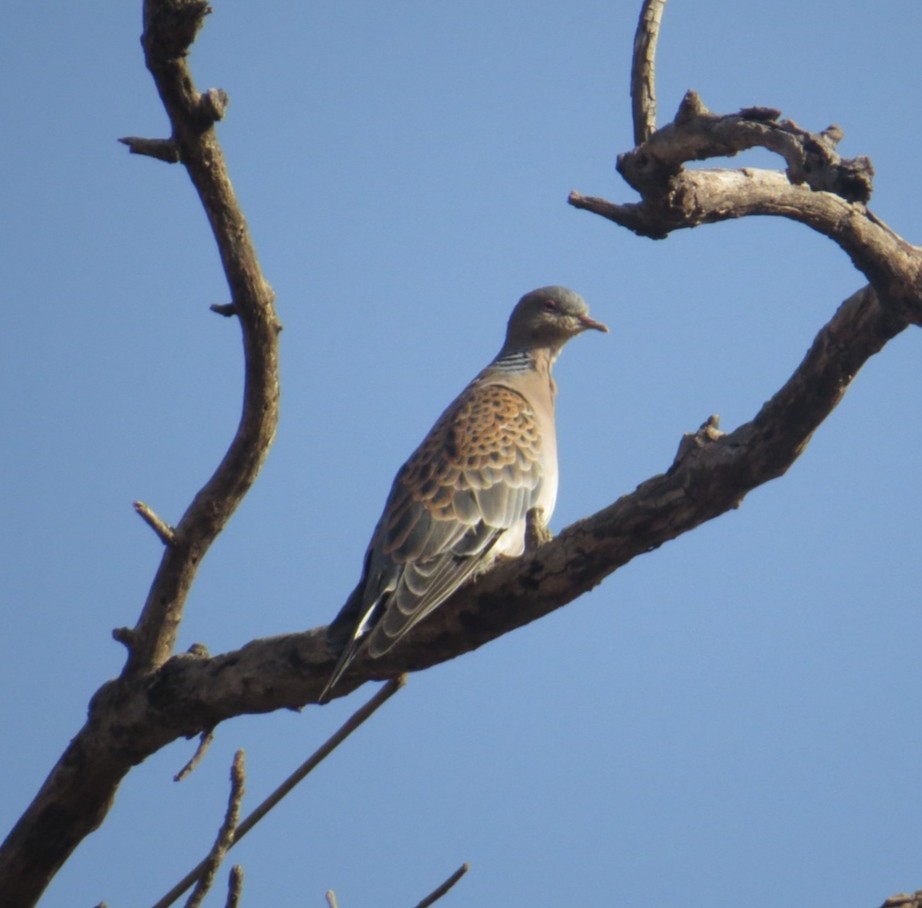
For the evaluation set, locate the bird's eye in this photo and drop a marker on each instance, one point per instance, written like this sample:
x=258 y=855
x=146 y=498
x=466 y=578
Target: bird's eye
x=550 y=306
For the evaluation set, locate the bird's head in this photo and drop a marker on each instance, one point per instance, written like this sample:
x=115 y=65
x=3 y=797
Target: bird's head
x=548 y=317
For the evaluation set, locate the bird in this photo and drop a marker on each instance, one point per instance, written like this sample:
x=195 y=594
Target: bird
x=461 y=501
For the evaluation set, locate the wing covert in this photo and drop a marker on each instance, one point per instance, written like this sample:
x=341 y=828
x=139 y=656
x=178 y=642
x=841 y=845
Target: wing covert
x=474 y=476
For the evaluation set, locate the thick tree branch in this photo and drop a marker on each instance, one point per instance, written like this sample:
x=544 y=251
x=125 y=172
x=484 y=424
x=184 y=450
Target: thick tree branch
x=712 y=474
x=707 y=479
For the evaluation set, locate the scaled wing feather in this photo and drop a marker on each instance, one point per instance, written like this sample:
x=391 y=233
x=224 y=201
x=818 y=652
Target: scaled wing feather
x=473 y=478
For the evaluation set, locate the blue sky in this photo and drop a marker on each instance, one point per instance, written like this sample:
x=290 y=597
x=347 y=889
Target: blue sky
x=734 y=712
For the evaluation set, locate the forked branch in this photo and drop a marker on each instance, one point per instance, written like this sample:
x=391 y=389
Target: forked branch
x=817 y=187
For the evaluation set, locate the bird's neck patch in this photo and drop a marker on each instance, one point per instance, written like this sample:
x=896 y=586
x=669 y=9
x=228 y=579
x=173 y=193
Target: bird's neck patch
x=514 y=361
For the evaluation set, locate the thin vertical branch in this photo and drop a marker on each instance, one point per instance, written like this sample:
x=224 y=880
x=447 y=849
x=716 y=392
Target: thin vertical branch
x=643 y=70
x=234 y=887
x=224 y=840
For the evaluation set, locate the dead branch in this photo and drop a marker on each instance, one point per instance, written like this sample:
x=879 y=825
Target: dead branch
x=224 y=840
x=162 y=149
x=79 y=790
x=709 y=477
x=904 y=900
x=359 y=717
x=205 y=741
x=643 y=70
x=165 y=533
x=169 y=28
x=439 y=891
x=234 y=886
x=818 y=188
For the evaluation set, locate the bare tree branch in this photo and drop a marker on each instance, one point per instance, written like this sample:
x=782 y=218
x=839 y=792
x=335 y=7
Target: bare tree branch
x=170 y=26
x=205 y=741
x=904 y=900
x=225 y=839
x=360 y=716
x=439 y=891
x=818 y=189
x=165 y=533
x=704 y=482
x=162 y=149
x=708 y=478
x=643 y=70
x=79 y=790
x=234 y=886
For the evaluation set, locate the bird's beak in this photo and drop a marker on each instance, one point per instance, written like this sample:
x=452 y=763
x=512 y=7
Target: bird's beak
x=587 y=323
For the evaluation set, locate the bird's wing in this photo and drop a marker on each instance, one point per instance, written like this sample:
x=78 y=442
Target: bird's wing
x=476 y=475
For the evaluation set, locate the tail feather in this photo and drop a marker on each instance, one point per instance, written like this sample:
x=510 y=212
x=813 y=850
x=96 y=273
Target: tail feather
x=345 y=659
x=355 y=641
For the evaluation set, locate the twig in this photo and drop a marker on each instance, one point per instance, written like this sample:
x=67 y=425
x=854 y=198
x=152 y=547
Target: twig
x=161 y=149
x=331 y=899
x=223 y=841
x=358 y=717
x=355 y=720
x=165 y=533
x=125 y=636
x=204 y=743
x=234 y=887
x=436 y=894
x=643 y=70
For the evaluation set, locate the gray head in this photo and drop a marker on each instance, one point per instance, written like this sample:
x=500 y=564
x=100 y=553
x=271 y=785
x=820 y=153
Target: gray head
x=548 y=317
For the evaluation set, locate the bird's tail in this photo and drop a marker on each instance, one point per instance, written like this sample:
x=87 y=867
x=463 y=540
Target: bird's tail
x=345 y=658
x=348 y=633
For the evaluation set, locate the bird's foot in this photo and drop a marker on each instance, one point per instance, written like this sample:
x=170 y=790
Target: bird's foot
x=536 y=530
